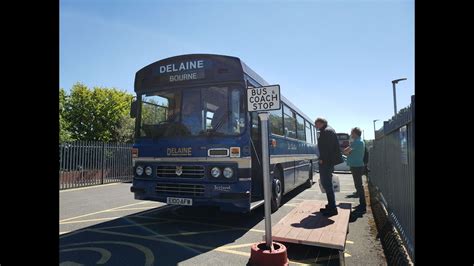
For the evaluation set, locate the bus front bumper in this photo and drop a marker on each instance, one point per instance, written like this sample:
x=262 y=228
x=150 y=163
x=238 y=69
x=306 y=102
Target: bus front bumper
x=232 y=197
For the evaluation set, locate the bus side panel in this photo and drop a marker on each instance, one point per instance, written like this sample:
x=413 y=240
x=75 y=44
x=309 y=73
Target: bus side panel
x=289 y=173
x=282 y=155
x=302 y=166
x=302 y=171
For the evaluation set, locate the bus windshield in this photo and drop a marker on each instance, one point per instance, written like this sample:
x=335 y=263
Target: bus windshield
x=208 y=111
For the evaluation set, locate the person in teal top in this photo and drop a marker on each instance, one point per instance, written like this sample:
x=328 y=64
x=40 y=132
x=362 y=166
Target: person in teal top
x=355 y=160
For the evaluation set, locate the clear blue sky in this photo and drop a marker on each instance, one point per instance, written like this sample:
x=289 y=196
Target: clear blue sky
x=334 y=59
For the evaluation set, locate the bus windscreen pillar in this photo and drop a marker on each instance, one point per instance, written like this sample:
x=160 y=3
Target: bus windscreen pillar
x=261 y=100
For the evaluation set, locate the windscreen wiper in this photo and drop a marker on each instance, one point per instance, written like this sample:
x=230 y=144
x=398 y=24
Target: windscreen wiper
x=221 y=121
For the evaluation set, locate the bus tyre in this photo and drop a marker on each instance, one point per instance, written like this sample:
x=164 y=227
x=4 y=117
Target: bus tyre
x=309 y=182
x=277 y=191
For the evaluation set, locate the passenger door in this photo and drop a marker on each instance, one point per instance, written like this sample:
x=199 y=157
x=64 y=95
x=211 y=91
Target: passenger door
x=256 y=152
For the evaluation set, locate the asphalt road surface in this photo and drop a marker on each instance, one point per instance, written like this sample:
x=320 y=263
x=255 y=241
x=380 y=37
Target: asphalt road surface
x=104 y=225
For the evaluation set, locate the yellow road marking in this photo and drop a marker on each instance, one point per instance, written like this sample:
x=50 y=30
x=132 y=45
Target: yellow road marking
x=349 y=242
x=153 y=239
x=224 y=249
x=112 y=227
x=149 y=257
x=104 y=253
x=84 y=215
x=71 y=233
x=132 y=209
x=247 y=254
x=219 y=249
x=196 y=233
x=91 y=220
x=158 y=208
x=163 y=237
x=208 y=224
x=82 y=188
x=132 y=225
x=347 y=255
x=237 y=246
x=241 y=253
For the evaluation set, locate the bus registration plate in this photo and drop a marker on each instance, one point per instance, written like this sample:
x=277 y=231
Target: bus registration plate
x=179 y=201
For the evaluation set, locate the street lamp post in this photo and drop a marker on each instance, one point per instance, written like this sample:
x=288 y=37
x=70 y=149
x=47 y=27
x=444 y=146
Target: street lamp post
x=394 y=82
x=374 y=126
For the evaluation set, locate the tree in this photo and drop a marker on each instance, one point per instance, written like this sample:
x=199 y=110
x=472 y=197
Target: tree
x=99 y=114
x=125 y=131
x=64 y=133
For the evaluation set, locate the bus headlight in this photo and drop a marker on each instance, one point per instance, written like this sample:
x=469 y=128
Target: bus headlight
x=139 y=170
x=148 y=170
x=228 y=172
x=215 y=172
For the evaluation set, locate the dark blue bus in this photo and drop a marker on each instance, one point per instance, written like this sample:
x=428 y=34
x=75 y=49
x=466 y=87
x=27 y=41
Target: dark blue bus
x=196 y=145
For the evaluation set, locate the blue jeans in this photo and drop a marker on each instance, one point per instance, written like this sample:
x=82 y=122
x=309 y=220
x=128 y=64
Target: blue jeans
x=325 y=174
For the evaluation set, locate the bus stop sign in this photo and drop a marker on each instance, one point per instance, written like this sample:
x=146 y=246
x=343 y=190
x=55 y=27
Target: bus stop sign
x=263 y=98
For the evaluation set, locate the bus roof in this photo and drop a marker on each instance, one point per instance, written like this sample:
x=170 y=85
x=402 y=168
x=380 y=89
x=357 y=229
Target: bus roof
x=247 y=70
x=231 y=61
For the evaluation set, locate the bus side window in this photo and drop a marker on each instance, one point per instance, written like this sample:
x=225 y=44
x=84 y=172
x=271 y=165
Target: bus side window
x=308 y=132
x=254 y=118
x=289 y=122
x=276 y=122
x=300 y=128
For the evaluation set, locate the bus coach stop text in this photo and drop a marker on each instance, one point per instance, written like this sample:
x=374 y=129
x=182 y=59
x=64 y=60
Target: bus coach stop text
x=263 y=98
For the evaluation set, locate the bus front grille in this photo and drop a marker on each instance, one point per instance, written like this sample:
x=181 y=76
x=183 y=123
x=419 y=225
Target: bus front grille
x=180 y=189
x=184 y=171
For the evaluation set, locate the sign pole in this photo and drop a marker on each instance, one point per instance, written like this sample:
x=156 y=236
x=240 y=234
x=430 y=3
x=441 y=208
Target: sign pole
x=262 y=100
x=267 y=183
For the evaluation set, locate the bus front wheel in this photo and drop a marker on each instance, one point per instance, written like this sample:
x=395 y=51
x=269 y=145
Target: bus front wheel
x=277 y=193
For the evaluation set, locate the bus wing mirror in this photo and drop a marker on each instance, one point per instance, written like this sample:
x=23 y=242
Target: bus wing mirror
x=133 y=109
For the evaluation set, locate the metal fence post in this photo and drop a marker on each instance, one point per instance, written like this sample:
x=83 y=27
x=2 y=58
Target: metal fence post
x=103 y=163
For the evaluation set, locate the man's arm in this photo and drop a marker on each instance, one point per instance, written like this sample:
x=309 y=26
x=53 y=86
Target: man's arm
x=347 y=150
x=322 y=146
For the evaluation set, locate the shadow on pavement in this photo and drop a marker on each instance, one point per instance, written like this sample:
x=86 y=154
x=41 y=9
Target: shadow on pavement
x=165 y=235
x=311 y=255
x=355 y=215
